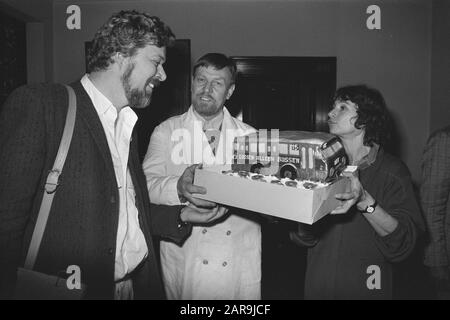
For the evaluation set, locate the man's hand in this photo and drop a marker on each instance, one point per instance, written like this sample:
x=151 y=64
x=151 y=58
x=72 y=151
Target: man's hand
x=186 y=189
x=197 y=215
x=349 y=199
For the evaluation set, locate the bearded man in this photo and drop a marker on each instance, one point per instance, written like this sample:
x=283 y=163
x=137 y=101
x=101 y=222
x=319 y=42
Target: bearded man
x=100 y=218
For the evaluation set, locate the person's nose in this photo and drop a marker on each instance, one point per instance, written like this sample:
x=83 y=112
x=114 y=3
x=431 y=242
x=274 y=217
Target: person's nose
x=162 y=74
x=331 y=114
x=208 y=88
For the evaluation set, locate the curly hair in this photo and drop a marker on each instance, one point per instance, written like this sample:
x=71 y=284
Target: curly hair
x=126 y=32
x=372 y=112
x=218 y=61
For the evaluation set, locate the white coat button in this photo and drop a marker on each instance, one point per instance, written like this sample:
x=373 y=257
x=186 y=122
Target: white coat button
x=205 y=261
x=224 y=263
x=204 y=231
x=228 y=232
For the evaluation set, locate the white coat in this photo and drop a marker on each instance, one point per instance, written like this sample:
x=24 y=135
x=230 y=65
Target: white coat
x=222 y=261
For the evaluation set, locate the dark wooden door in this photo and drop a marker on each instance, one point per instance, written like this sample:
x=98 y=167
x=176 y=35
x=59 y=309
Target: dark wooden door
x=287 y=94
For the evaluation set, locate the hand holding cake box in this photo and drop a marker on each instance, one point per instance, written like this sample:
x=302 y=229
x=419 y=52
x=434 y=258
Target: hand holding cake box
x=352 y=196
x=292 y=174
x=197 y=210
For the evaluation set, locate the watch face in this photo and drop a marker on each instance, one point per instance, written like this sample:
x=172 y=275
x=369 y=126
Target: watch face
x=370 y=209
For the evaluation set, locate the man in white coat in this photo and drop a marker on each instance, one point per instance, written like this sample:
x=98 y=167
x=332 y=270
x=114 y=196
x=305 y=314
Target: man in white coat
x=221 y=260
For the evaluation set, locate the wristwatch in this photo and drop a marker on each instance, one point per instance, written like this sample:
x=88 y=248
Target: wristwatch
x=370 y=208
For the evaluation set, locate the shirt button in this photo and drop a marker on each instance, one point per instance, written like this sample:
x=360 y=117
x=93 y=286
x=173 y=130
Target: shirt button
x=224 y=263
x=228 y=232
x=113 y=199
x=205 y=261
x=204 y=231
x=110 y=251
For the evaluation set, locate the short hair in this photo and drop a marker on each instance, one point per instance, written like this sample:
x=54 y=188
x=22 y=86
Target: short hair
x=218 y=61
x=372 y=112
x=126 y=32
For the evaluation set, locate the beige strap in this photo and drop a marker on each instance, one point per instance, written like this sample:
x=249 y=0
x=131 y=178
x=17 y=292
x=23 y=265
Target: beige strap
x=52 y=182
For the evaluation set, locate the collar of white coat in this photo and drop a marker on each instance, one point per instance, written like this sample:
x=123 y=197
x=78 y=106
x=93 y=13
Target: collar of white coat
x=231 y=128
x=215 y=123
x=228 y=122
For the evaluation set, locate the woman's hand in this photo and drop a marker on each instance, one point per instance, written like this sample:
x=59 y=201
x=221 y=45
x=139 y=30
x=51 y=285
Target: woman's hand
x=357 y=195
x=380 y=220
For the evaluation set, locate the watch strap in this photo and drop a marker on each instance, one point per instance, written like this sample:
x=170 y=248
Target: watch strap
x=367 y=209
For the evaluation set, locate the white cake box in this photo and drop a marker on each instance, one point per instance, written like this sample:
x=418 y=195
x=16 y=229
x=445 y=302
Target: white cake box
x=298 y=204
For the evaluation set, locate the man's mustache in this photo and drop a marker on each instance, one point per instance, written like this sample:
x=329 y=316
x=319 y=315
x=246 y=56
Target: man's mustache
x=205 y=96
x=154 y=82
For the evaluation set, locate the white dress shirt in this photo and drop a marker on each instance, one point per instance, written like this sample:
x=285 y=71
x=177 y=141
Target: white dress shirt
x=131 y=247
x=222 y=261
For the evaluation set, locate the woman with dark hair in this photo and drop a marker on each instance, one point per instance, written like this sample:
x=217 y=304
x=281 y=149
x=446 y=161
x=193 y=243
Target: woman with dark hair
x=356 y=251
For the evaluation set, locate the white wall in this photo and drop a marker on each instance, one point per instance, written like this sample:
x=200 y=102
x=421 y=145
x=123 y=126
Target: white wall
x=395 y=59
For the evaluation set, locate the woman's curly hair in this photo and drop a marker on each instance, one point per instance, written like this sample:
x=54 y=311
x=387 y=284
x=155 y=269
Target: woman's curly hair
x=372 y=112
x=125 y=32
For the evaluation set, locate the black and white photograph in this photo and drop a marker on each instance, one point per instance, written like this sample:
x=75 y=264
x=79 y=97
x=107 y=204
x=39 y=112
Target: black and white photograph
x=226 y=155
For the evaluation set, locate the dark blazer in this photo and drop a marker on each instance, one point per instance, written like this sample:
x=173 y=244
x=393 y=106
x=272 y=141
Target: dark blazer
x=83 y=221
x=435 y=197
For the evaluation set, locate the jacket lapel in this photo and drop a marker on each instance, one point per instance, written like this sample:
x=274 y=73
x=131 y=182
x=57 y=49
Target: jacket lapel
x=138 y=183
x=227 y=135
x=87 y=113
x=230 y=130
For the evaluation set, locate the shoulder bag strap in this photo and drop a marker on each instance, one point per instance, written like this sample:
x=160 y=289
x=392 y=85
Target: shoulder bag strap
x=52 y=182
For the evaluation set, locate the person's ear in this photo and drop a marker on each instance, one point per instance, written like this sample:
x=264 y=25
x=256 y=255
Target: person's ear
x=119 y=59
x=230 y=91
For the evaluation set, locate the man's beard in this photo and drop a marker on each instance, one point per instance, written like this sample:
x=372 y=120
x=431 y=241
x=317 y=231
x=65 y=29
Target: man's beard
x=206 y=109
x=137 y=98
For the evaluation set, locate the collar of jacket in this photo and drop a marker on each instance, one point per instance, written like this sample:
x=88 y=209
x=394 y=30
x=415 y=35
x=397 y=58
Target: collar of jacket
x=369 y=158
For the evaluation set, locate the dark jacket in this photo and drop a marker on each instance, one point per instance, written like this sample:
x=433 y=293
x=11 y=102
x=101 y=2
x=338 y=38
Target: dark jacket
x=83 y=221
x=435 y=197
x=350 y=256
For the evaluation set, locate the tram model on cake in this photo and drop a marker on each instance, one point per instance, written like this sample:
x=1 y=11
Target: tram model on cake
x=299 y=155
